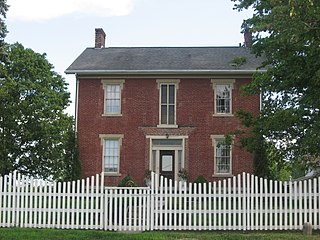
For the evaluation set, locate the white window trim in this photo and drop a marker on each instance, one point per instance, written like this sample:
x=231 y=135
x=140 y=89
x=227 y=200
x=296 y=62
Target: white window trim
x=216 y=82
x=160 y=82
x=105 y=83
x=104 y=137
x=215 y=140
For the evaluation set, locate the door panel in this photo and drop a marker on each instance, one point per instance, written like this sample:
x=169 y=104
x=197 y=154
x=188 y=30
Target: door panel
x=167 y=164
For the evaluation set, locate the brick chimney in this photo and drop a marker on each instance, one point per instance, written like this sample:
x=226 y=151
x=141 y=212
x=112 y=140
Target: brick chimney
x=100 y=39
x=247 y=38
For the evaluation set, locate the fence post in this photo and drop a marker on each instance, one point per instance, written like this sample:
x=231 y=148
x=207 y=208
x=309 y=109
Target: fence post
x=307 y=228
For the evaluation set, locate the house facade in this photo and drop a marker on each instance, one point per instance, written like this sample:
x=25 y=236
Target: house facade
x=161 y=109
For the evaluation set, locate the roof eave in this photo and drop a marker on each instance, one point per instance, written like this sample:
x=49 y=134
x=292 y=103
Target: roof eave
x=161 y=72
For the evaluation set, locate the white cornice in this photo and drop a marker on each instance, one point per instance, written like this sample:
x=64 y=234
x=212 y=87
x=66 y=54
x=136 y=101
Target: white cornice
x=161 y=72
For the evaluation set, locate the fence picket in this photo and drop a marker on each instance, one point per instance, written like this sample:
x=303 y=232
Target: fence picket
x=219 y=206
x=214 y=206
x=244 y=202
x=291 y=210
x=310 y=206
x=285 y=210
x=191 y=190
x=234 y=200
x=300 y=205
x=315 y=197
x=239 y=197
x=252 y=202
x=210 y=206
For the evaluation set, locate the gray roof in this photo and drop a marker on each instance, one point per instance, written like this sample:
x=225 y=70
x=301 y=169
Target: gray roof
x=117 y=60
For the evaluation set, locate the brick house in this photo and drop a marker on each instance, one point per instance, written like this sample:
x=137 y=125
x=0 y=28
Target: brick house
x=161 y=108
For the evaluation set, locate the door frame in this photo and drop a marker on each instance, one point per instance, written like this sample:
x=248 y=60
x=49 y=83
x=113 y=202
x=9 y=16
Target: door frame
x=155 y=150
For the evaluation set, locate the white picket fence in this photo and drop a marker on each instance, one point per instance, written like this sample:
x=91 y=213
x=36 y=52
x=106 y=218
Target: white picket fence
x=244 y=202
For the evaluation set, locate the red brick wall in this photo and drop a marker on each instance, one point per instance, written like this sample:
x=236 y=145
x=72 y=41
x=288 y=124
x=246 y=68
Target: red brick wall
x=140 y=109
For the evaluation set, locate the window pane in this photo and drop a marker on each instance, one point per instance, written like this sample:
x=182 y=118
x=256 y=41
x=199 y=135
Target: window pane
x=171 y=94
x=154 y=161
x=227 y=106
x=180 y=163
x=171 y=114
x=167 y=163
x=166 y=142
x=163 y=93
x=164 y=114
x=223 y=91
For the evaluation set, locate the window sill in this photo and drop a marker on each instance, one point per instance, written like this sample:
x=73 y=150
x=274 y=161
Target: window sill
x=222 y=175
x=112 y=115
x=106 y=174
x=222 y=115
x=167 y=126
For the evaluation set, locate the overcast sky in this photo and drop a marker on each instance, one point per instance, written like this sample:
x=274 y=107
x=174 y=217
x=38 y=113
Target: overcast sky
x=64 y=28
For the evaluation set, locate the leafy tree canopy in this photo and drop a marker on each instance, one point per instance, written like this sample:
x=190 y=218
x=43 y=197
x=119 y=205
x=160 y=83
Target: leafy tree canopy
x=3 y=27
x=36 y=136
x=287 y=34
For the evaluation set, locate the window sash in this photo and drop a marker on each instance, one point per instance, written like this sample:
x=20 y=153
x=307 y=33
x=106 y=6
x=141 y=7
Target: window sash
x=168 y=104
x=111 y=155
x=113 y=99
x=223 y=98
x=223 y=157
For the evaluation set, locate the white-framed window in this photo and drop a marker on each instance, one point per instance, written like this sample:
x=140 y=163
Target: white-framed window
x=111 y=153
x=222 y=156
x=167 y=102
x=222 y=96
x=112 y=97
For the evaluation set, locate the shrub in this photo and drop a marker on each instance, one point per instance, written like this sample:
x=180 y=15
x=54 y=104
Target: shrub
x=127 y=181
x=202 y=180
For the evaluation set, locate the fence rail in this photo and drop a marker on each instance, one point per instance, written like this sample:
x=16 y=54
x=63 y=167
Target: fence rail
x=244 y=202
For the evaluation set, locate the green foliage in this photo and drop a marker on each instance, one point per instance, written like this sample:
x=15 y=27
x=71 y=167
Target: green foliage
x=35 y=133
x=71 y=169
x=183 y=174
x=238 y=61
x=3 y=29
x=200 y=179
x=127 y=181
x=287 y=35
x=147 y=174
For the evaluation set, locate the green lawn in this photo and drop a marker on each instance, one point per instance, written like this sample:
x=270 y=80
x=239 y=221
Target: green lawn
x=53 y=234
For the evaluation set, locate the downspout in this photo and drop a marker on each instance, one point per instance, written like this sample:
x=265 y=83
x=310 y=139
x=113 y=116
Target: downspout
x=76 y=104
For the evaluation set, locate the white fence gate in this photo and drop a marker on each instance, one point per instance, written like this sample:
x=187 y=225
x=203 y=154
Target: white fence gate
x=244 y=202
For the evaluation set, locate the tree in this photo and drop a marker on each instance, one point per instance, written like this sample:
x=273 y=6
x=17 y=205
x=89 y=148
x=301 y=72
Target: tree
x=286 y=34
x=35 y=133
x=71 y=168
x=3 y=28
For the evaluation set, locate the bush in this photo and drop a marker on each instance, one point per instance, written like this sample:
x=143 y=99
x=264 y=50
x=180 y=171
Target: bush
x=202 y=180
x=127 y=181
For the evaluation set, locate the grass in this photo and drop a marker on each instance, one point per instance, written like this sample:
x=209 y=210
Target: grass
x=54 y=234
